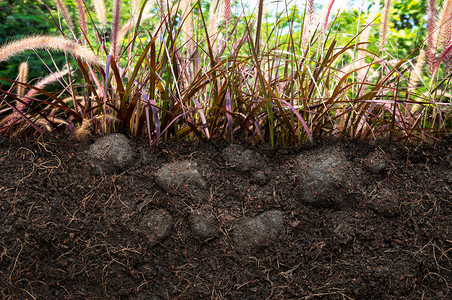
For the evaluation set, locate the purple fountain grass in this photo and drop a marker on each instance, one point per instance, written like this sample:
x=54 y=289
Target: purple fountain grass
x=385 y=22
x=22 y=78
x=227 y=12
x=308 y=23
x=441 y=37
x=114 y=47
x=447 y=43
x=64 y=11
x=82 y=17
x=168 y=81
x=99 y=8
x=49 y=42
x=443 y=22
x=54 y=76
x=431 y=49
x=327 y=15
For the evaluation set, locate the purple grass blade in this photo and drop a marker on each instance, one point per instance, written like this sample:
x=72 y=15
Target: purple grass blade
x=32 y=124
x=156 y=117
x=203 y=118
x=441 y=58
x=146 y=110
x=300 y=118
x=229 y=112
x=107 y=71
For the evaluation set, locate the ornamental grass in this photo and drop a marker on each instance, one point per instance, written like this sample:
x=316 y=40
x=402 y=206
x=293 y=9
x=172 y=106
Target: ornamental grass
x=189 y=69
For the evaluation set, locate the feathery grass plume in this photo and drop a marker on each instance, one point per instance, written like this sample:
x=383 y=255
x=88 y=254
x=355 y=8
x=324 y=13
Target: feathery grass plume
x=431 y=50
x=447 y=42
x=46 y=81
x=445 y=16
x=49 y=42
x=448 y=56
x=308 y=23
x=311 y=11
x=134 y=10
x=187 y=19
x=22 y=78
x=326 y=15
x=81 y=16
x=437 y=36
x=213 y=18
x=162 y=10
x=64 y=11
x=385 y=22
x=227 y=12
x=115 y=28
x=99 y=7
x=415 y=76
x=83 y=131
x=438 y=32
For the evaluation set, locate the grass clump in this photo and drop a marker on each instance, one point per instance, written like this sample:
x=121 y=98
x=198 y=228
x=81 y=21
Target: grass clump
x=203 y=71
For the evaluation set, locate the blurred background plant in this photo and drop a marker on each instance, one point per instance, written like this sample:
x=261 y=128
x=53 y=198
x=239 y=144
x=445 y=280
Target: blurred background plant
x=214 y=69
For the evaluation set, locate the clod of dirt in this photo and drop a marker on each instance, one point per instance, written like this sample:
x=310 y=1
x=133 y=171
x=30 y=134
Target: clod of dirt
x=157 y=225
x=375 y=162
x=259 y=177
x=110 y=154
x=204 y=224
x=321 y=175
x=258 y=232
x=384 y=201
x=241 y=159
x=180 y=176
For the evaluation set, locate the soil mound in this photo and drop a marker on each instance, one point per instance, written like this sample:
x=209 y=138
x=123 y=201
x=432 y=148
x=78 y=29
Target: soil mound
x=113 y=218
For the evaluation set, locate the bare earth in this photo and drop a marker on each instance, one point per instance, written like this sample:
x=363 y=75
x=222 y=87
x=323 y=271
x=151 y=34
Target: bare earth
x=207 y=220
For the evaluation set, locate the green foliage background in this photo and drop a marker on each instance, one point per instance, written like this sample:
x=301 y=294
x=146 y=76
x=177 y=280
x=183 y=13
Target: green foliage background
x=19 y=19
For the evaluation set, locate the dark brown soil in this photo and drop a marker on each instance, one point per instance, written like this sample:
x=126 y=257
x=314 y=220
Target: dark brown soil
x=68 y=233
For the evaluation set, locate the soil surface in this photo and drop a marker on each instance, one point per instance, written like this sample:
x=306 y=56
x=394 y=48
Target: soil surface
x=210 y=220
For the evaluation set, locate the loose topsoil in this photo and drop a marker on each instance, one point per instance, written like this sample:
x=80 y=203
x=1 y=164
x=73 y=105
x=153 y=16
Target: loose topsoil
x=112 y=218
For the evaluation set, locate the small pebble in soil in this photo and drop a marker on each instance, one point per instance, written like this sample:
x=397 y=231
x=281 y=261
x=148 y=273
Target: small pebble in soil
x=179 y=176
x=157 y=225
x=204 y=225
x=240 y=158
x=110 y=154
x=259 y=177
x=322 y=177
x=258 y=232
x=384 y=201
x=375 y=162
